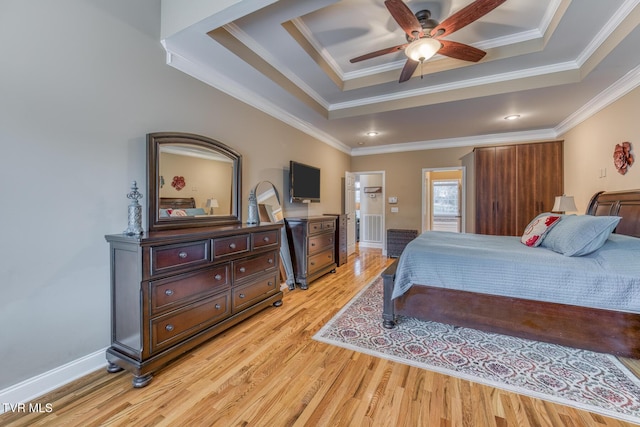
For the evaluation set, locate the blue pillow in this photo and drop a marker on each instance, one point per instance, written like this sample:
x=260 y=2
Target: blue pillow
x=577 y=235
x=195 y=211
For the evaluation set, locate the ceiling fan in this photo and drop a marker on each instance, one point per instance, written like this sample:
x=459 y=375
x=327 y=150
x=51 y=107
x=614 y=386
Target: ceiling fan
x=424 y=35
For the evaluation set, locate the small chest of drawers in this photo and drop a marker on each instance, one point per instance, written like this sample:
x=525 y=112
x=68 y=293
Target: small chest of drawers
x=172 y=291
x=312 y=247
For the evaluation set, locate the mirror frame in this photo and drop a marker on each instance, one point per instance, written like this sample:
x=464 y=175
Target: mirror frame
x=154 y=142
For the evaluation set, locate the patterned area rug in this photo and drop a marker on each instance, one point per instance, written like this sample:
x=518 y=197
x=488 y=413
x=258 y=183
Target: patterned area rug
x=583 y=379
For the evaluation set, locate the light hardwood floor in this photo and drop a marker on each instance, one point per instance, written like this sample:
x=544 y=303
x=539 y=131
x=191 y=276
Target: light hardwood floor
x=268 y=371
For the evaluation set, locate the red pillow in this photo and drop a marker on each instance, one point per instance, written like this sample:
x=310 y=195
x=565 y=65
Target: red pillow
x=536 y=230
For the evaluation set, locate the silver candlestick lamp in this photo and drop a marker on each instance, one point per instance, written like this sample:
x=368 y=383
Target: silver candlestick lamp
x=253 y=209
x=135 y=212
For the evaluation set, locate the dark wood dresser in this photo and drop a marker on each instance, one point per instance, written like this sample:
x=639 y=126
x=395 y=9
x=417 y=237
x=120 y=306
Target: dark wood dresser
x=312 y=243
x=172 y=290
x=341 y=239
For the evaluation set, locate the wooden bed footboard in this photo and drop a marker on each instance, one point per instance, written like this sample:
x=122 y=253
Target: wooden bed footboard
x=388 y=312
x=604 y=331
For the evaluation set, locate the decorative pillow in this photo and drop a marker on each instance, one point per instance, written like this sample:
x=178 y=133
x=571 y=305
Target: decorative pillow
x=577 y=235
x=538 y=228
x=176 y=212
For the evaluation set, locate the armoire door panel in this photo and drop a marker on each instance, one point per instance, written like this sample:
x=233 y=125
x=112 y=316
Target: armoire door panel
x=505 y=216
x=485 y=169
x=514 y=183
x=540 y=179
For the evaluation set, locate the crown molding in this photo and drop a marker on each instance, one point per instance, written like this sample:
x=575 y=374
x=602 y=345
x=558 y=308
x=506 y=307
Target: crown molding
x=626 y=84
x=492 y=139
x=230 y=87
x=463 y=84
x=254 y=46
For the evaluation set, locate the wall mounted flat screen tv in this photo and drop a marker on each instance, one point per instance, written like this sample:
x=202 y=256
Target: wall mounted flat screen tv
x=304 y=183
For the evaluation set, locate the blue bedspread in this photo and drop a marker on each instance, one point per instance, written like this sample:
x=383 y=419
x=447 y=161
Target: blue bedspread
x=500 y=265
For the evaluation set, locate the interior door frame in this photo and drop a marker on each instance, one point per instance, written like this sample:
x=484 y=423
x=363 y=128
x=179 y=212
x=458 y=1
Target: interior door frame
x=427 y=191
x=384 y=207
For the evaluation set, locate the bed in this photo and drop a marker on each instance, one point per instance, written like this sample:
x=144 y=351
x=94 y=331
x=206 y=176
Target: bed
x=177 y=203
x=584 y=321
x=179 y=206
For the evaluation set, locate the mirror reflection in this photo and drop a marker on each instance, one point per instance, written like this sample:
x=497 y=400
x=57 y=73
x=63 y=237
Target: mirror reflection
x=270 y=210
x=194 y=181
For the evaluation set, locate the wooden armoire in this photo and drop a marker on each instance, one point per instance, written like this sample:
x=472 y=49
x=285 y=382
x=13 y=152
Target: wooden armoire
x=514 y=183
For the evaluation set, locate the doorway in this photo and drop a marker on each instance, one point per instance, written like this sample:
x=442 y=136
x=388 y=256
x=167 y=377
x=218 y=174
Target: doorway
x=443 y=196
x=365 y=210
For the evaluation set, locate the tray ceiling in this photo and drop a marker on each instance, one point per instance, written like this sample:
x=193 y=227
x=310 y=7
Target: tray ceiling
x=553 y=63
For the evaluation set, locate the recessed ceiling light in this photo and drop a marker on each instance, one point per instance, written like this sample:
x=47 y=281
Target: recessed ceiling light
x=512 y=117
x=360 y=143
x=372 y=133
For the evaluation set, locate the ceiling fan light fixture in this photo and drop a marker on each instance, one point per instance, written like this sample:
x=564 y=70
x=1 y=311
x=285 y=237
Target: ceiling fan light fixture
x=422 y=49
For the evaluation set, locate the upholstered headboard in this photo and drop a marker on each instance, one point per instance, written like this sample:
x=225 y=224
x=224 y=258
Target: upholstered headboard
x=625 y=204
x=177 y=202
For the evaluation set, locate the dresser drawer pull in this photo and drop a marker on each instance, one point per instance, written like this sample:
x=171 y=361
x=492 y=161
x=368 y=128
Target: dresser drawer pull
x=242 y=295
x=313 y=244
x=242 y=269
x=265 y=239
x=270 y=260
x=217 y=306
x=182 y=254
x=217 y=277
x=313 y=263
x=169 y=327
x=232 y=245
x=168 y=292
x=270 y=283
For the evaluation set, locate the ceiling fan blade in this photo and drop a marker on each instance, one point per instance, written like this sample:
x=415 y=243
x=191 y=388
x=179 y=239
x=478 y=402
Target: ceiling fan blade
x=378 y=53
x=405 y=18
x=465 y=16
x=460 y=51
x=408 y=70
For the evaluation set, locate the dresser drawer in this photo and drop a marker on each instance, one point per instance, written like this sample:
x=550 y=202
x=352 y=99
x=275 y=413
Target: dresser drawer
x=173 y=257
x=247 y=295
x=266 y=239
x=175 y=291
x=258 y=264
x=319 y=242
x=321 y=259
x=328 y=225
x=177 y=325
x=228 y=246
x=320 y=226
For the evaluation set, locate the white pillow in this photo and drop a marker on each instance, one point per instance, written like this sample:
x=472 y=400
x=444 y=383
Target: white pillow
x=538 y=227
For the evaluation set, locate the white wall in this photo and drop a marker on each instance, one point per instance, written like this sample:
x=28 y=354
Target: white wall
x=81 y=84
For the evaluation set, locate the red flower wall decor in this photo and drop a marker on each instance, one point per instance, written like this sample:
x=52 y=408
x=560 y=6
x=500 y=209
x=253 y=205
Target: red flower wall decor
x=622 y=157
x=178 y=182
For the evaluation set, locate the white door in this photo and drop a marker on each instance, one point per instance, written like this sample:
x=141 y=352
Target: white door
x=350 y=210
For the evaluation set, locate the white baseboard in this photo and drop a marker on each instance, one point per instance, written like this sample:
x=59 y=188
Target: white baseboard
x=32 y=388
x=375 y=245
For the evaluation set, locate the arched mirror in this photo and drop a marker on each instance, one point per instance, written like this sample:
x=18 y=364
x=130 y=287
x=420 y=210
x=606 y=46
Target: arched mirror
x=270 y=210
x=192 y=181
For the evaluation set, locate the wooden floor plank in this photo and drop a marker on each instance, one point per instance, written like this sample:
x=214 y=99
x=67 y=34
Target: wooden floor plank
x=268 y=371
